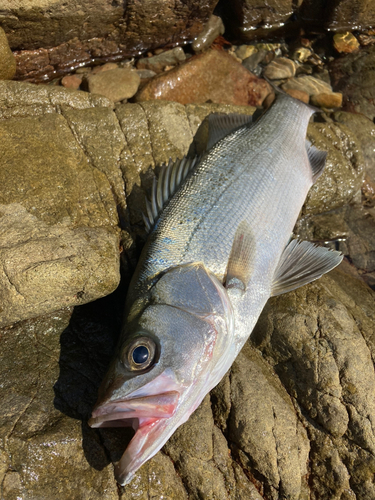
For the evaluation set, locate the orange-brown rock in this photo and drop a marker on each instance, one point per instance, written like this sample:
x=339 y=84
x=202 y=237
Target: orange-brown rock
x=213 y=76
x=298 y=94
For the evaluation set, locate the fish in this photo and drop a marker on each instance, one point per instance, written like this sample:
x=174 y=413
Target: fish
x=219 y=246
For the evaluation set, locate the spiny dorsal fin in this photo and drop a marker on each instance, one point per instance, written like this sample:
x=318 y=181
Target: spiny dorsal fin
x=241 y=259
x=317 y=160
x=301 y=263
x=220 y=125
x=170 y=178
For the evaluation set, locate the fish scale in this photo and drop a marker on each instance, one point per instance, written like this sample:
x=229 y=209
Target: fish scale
x=218 y=250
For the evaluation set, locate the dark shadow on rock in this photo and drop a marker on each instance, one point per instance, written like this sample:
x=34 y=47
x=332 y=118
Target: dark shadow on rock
x=87 y=345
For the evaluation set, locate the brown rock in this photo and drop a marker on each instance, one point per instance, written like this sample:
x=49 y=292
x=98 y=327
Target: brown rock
x=333 y=100
x=213 y=76
x=308 y=84
x=298 y=94
x=72 y=81
x=7 y=59
x=213 y=29
x=115 y=84
x=104 y=67
x=279 y=68
x=345 y=42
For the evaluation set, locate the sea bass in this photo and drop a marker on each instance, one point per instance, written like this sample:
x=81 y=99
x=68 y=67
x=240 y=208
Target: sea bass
x=219 y=248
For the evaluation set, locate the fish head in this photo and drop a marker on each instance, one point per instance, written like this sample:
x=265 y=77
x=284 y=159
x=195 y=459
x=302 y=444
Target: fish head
x=171 y=356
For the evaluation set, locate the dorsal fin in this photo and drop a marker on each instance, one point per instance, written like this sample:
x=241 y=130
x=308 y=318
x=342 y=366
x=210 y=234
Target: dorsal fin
x=171 y=176
x=317 y=160
x=220 y=125
x=300 y=263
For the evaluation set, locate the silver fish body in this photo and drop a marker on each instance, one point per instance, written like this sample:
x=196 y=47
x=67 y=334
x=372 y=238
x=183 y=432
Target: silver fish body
x=208 y=267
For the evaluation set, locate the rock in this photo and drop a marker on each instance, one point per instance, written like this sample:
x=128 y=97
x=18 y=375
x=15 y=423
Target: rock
x=302 y=54
x=159 y=62
x=7 y=59
x=250 y=19
x=279 y=68
x=345 y=42
x=214 y=76
x=104 y=67
x=343 y=175
x=332 y=100
x=72 y=81
x=115 y=84
x=58 y=217
x=212 y=30
x=354 y=76
x=308 y=84
x=299 y=94
x=57 y=37
x=251 y=62
x=145 y=73
x=319 y=339
x=245 y=51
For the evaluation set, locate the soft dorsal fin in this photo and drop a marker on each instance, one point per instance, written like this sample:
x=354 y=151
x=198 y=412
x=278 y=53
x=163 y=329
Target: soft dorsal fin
x=241 y=259
x=301 y=263
x=220 y=125
x=317 y=160
x=170 y=178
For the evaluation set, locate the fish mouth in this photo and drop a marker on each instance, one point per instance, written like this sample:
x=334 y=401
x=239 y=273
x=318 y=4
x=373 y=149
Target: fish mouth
x=135 y=411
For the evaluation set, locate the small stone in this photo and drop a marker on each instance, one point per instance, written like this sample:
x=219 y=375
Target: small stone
x=7 y=59
x=345 y=42
x=159 y=62
x=212 y=30
x=72 y=81
x=269 y=100
x=251 y=62
x=84 y=70
x=279 y=68
x=366 y=40
x=333 y=100
x=116 y=84
x=308 y=84
x=301 y=54
x=145 y=73
x=245 y=51
x=104 y=67
x=212 y=76
x=299 y=94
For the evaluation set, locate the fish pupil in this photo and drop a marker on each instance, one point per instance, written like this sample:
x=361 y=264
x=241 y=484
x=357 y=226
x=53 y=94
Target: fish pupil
x=140 y=354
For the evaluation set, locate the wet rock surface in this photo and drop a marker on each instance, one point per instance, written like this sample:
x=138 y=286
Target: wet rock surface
x=7 y=59
x=294 y=416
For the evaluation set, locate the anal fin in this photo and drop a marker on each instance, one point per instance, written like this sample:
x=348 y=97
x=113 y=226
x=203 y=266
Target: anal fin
x=300 y=263
x=242 y=255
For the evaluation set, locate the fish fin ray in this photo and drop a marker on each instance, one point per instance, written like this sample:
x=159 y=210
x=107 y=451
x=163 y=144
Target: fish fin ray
x=301 y=263
x=241 y=258
x=317 y=160
x=220 y=125
x=170 y=178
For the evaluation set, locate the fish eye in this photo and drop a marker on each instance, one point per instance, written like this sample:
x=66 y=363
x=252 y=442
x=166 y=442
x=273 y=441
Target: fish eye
x=139 y=354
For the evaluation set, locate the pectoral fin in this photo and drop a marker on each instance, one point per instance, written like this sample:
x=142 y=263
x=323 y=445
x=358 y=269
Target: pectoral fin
x=220 y=125
x=301 y=263
x=241 y=259
x=317 y=160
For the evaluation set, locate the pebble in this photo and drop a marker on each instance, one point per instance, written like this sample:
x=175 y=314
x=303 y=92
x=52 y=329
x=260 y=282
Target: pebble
x=280 y=68
x=345 y=42
x=212 y=76
x=299 y=94
x=104 y=67
x=7 y=59
x=145 y=73
x=115 y=84
x=330 y=101
x=302 y=54
x=72 y=81
x=251 y=62
x=159 y=62
x=245 y=51
x=212 y=30
x=308 y=84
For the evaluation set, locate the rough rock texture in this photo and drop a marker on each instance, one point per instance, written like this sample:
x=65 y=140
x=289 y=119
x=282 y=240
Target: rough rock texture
x=58 y=222
x=292 y=419
x=7 y=59
x=116 y=84
x=53 y=36
x=354 y=76
x=214 y=76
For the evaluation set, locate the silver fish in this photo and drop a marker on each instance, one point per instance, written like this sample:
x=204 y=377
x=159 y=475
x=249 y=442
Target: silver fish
x=218 y=250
